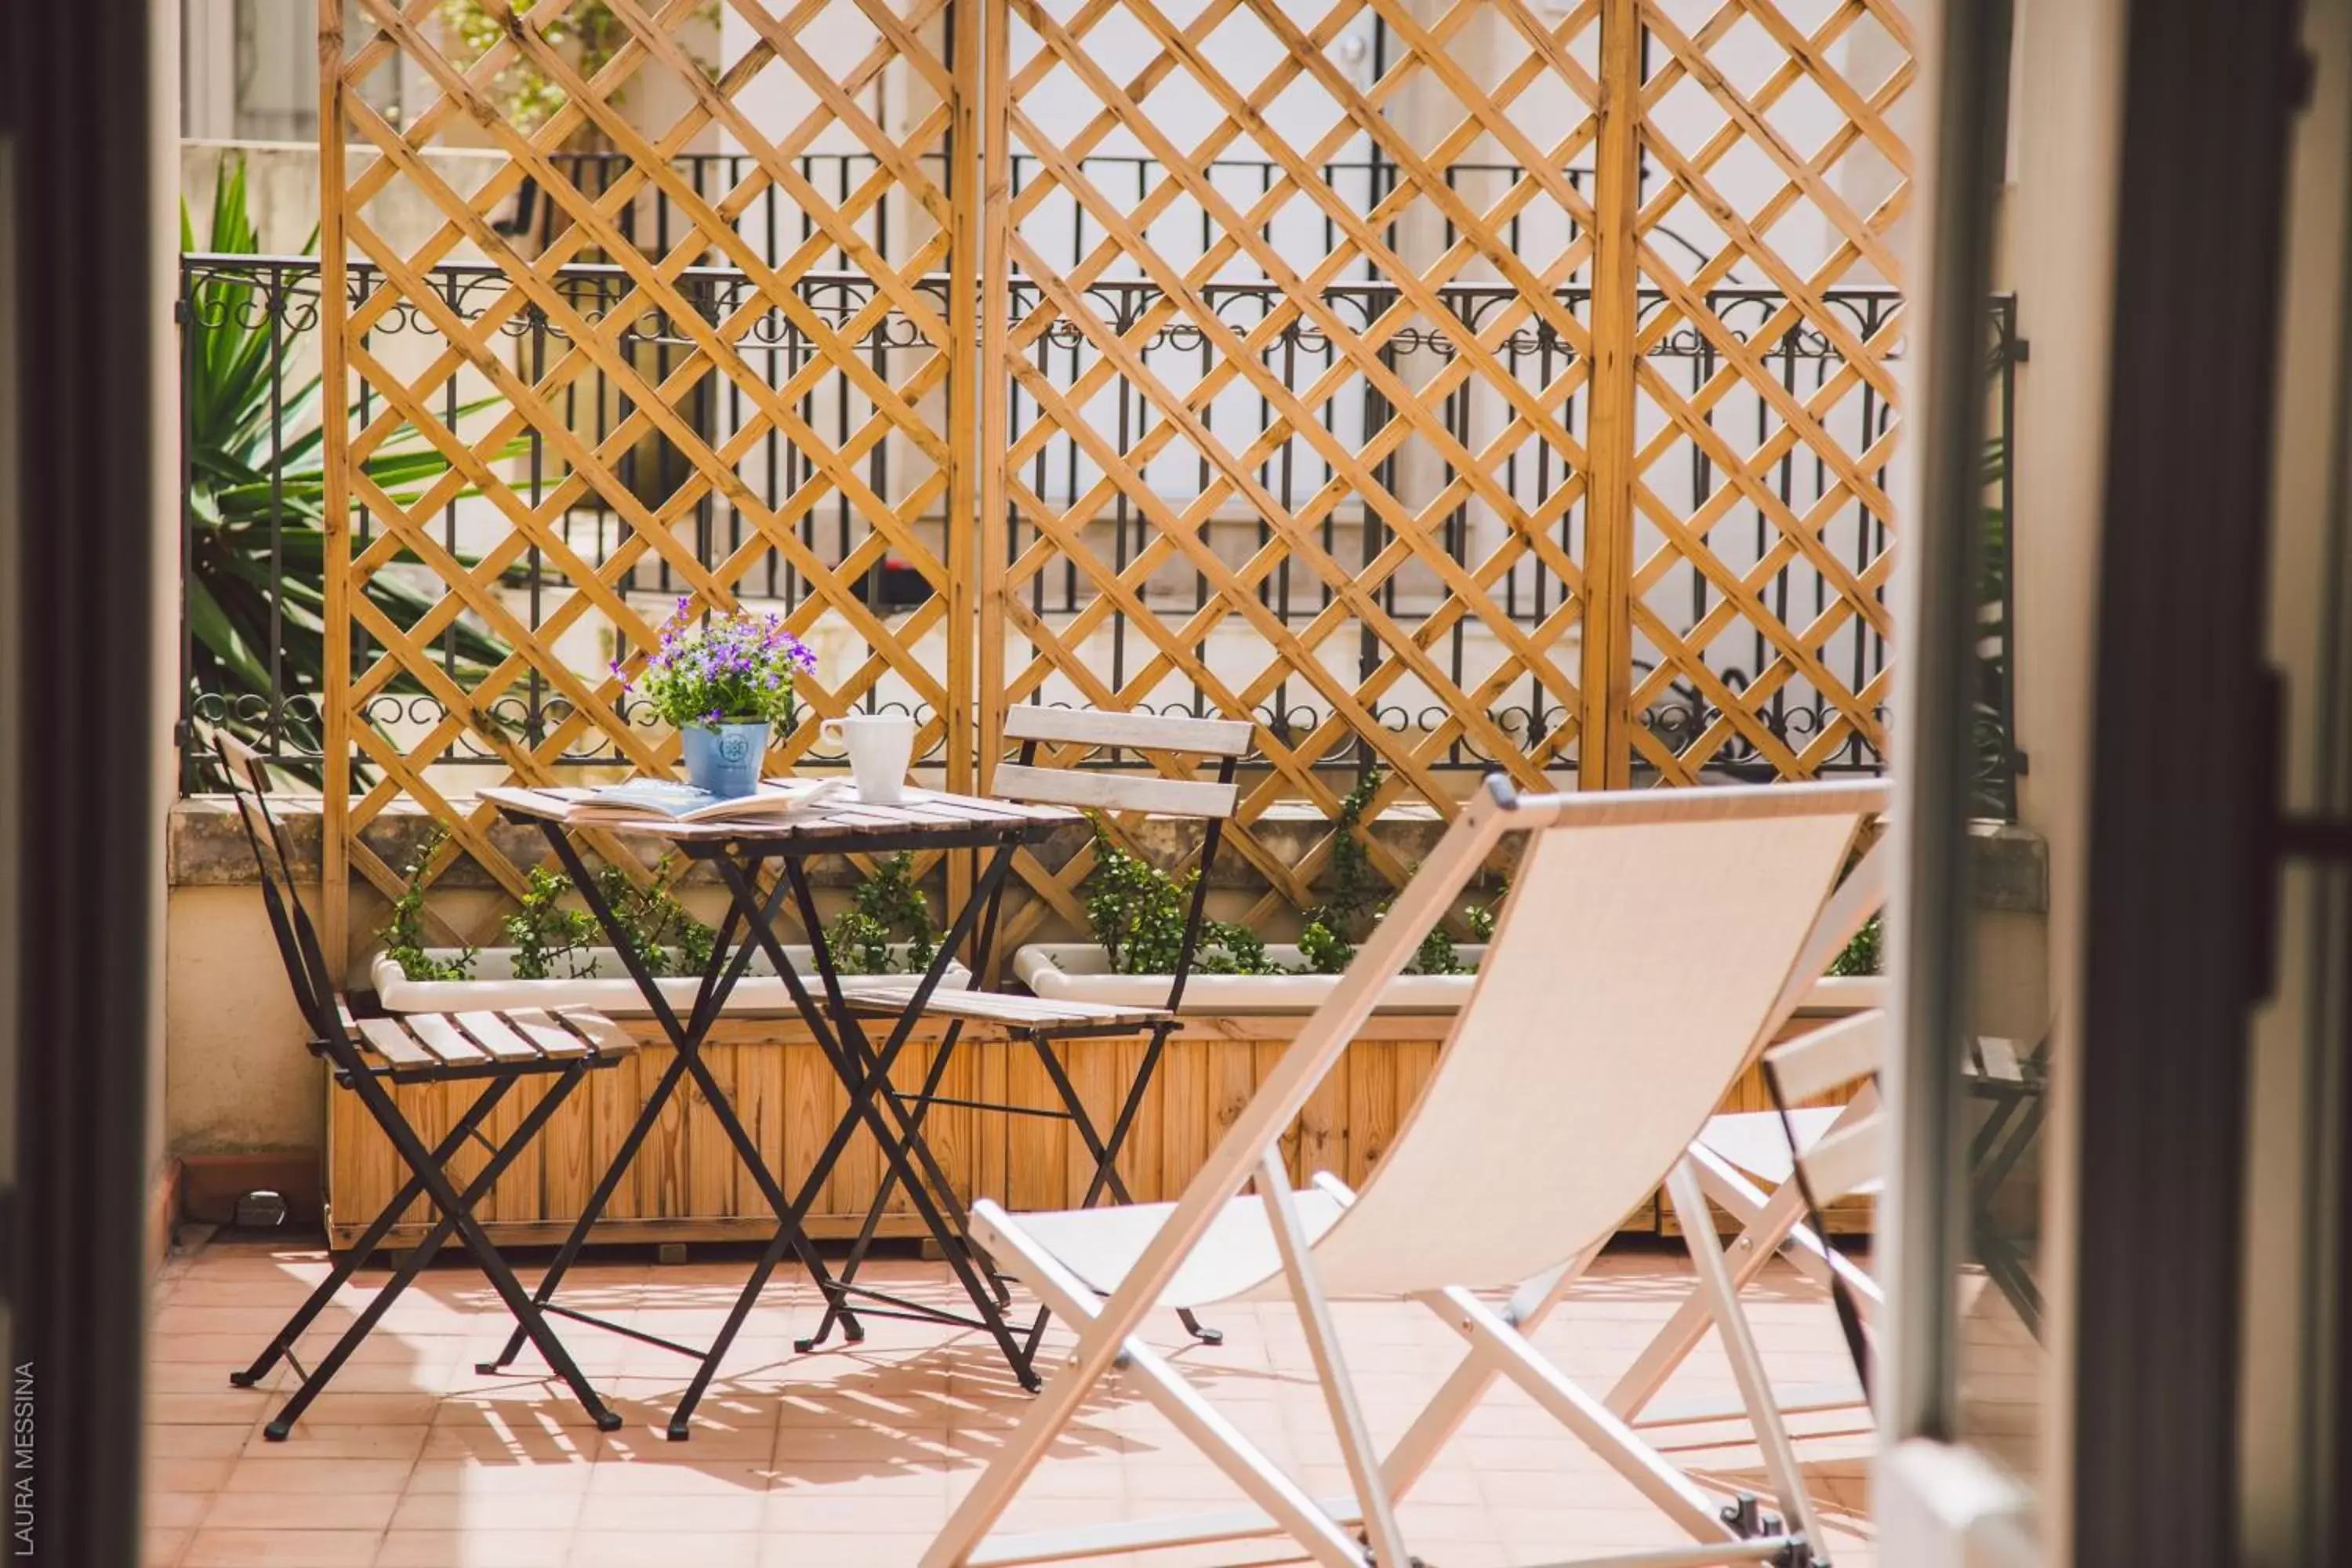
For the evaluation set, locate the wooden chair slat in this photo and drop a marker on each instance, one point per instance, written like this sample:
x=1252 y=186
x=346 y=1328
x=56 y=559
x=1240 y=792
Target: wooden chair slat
x=493 y=1034
x=609 y=1038
x=1846 y=1160
x=997 y=1006
x=1823 y=1059
x=387 y=1039
x=1117 y=791
x=1134 y=732
x=446 y=1040
x=554 y=1041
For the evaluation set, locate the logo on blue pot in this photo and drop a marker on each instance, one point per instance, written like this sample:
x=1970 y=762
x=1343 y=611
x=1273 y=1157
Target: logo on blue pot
x=734 y=747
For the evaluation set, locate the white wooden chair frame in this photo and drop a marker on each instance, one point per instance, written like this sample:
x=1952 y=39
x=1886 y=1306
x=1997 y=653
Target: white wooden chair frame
x=1841 y=1152
x=1362 y=1531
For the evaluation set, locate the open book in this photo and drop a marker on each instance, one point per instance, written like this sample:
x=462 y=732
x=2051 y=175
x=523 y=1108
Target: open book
x=640 y=799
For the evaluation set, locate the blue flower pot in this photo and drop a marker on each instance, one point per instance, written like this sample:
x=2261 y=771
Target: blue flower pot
x=725 y=759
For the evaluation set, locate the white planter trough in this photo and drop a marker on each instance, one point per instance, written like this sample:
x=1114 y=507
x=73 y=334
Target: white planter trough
x=1081 y=972
x=608 y=989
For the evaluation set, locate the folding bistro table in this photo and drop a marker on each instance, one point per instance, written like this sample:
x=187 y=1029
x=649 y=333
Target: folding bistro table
x=737 y=852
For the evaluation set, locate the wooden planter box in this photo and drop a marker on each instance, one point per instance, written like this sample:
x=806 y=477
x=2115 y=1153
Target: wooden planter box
x=688 y=1186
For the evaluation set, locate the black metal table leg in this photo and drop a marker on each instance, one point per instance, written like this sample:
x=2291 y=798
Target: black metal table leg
x=718 y=982
x=982 y=950
x=865 y=1074
x=859 y=1248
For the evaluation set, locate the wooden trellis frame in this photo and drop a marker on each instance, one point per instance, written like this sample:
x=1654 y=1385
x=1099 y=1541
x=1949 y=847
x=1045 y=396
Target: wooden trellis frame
x=1599 y=179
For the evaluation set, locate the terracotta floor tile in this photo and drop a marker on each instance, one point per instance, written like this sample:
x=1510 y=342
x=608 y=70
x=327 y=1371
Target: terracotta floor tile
x=473 y=1549
x=433 y=1476
x=302 y=1510
x=490 y=1508
x=726 y=1512
x=302 y=1473
x=282 y=1549
x=814 y=1551
x=336 y=1441
x=172 y=1441
x=189 y=1475
x=638 y=1549
x=178 y=1510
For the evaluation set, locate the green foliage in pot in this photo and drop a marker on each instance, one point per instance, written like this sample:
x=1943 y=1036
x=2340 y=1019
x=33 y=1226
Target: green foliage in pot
x=256 y=503
x=1327 y=940
x=1862 y=955
x=1138 y=912
x=885 y=908
x=550 y=942
x=1437 y=954
x=402 y=933
x=1228 y=948
x=1480 y=917
x=672 y=941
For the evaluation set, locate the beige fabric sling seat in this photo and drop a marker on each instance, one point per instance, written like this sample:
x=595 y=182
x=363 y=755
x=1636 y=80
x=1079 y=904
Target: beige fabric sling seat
x=1650 y=944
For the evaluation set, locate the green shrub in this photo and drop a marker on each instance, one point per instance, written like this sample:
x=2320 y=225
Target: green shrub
x=1860 y=956
x=672 y=941
x=1138 y=912
x=403 y=935
x=1325 y=950
x=886 y=907
x=549 y=941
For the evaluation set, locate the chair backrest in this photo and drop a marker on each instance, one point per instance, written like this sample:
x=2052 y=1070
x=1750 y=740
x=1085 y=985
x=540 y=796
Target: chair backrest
x=1227 y=740
x=1033 y=726
x=298 y=944
x=1644 y=958
x=1848 y=1157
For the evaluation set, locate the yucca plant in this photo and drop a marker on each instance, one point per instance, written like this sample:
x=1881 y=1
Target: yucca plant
x=242 y=582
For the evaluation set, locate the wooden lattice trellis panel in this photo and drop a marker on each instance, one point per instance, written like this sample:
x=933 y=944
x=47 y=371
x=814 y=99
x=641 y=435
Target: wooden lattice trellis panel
x=1488 y=309
x=916 y=399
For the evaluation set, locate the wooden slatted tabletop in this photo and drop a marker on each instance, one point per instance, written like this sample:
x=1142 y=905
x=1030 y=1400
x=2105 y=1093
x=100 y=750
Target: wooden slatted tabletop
x=921 y=811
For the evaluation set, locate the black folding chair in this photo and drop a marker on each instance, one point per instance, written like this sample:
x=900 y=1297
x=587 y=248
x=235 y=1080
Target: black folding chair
x=368 y=1055
x=1045 y=1022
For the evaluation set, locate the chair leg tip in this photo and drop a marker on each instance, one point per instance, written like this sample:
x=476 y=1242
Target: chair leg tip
x=679 y=1432
x=489 y=1368
x=242 y=1380
x=1210 y=1336
x=805 y=1346
x=608 y=1421
x=277 y=1431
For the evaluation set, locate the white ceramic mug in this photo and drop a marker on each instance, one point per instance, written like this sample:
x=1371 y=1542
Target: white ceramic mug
x=880 y=747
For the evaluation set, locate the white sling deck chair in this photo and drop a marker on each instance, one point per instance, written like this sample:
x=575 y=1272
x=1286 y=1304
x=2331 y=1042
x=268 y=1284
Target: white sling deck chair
x=1836 y=1152
x=1578 y=1073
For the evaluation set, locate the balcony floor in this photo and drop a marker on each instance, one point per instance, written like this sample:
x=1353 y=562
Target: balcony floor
x=853 y=1458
